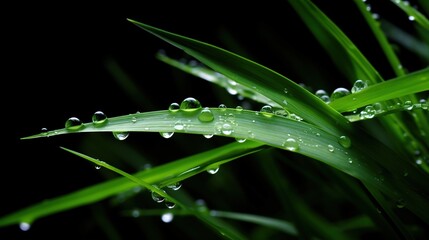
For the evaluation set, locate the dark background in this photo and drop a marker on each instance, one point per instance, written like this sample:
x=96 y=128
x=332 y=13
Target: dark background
x=55 y=66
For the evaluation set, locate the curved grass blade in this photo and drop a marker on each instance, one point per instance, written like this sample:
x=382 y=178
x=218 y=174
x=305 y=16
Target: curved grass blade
x=190 y=165
x=221 y=228
x=413 y=14
x=395 y=88
x=268 y=83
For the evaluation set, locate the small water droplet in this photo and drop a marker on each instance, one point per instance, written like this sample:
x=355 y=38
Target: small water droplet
x=190 y=104
x=239 y=108
x=359 y=85
x=400 y=203
x=322 y=94
x=227 y=129
x=97 y=167
x=213 y=170
x=345 y=141
x=99 y=118
x=121 y=135
x=368 y=113
x=169 y=204
x=411 y=18
x=285 y=90
x=240 y=140
x=179 y=125
x=133 y=119
x=339 y=93
x=419 y=161
x=408 y=105
x=290 y=144
x=166 y=134
x=350 y=161
x=267 y=111
x=135 y=213
x=331 y=148
x=208 y=136
x=222 y=107
x=174 y=107
x=175 y=186
x=24 y=226
x=206 y=115
x=157 y=198
x=167 y=217
x=73 y=124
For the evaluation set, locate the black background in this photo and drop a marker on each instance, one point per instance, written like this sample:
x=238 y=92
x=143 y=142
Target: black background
x=54 y=67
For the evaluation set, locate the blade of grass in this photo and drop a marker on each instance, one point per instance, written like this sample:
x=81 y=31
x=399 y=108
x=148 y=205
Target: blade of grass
x=270 y=84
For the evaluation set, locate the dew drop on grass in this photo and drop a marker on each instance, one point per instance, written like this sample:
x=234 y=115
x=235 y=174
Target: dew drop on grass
x=290 y=144
x=322 y=94
x=24 y=226
x=133 y=119
x=339 y=93
x=175 y=186
x=167 y=217
x=174 y=107
x=331 y=148
x=222 y=107
x=213 y=170
x=240 y=140
x=121 y=135
x=345 y=141
x=239 y=108
x=411 y=18
x=206 y=115
x=99 y=118
x=267 y=111
x=400 y=203
x=135 y=213
x=190 y=104
x=169 y=204
x=157 y=198
x=97 y=167
x=359 y=85
x=73 y=124
x=208 y=136
x=408 y=105
x=179 y=125
x=227 y=129
x=166 y=134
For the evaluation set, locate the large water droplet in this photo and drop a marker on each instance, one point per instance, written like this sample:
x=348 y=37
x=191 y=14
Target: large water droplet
x=166 y=134
x=291 y=144
x=121 y=135
x=174 y=186
x=267 y=111
x=73 y=124
x=345 y=141
x=359 y=85
x=99 y=118
x=339 y=93
x=190 y=104
x=24 y=226
x=157 y=198
x=206 y=115
x=174 y=107
x=167 y=217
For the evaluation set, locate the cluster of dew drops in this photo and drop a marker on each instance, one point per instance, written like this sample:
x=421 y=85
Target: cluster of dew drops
x=369 y=111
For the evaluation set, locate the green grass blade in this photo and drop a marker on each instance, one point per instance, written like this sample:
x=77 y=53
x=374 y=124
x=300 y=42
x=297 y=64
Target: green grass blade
x=192 y=164
x=342 y=50
x=413 y=14
x=395 y=88
x=266 y=82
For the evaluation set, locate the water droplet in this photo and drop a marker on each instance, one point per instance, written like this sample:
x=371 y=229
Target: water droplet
x=240 y=140
x=267 y=111
x=99 y=118
x=400 y=203
x=174 y=107
x=419 y=161
x=368 y=113
x=331 y=148
x=121 y=135
x=322 y=94
x=291 y=144
x=227 y=129
x=174 y=186
x=179 y=125
x=222 y=107
x=133 y=119
x=339 y=93
x=285 y=90
x=350 y=161
x=359 y=85
x=213 y=170
x=73 y=124
x=345 y=141
x=190 y=104
x=166 y=134
x=206 y=115
x=167 y=217
x=239 y=108
x=169 y=204
x=408 y=105
x=157 y=198
x=97 y=167
x=24 y=226
x=411 y=18
x=208 y=136
x=135 y=213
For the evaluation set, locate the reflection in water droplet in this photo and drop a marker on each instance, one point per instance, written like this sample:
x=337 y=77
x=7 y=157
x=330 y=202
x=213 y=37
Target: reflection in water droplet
x=174 y=107
x=190 y=104
x=121 y=135
x=167 y=217
x=73 y=124
x=99 y=118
